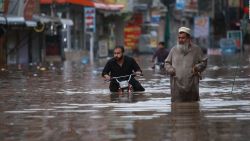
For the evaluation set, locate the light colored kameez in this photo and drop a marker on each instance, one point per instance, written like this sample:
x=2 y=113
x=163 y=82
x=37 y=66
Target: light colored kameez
x=185 y=83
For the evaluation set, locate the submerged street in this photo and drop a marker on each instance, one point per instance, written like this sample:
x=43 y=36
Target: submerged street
x=71 y=102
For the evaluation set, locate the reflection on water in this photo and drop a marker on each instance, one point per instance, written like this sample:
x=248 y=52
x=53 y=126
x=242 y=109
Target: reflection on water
x=127 y=97
x=186 y=120
x=70 y=101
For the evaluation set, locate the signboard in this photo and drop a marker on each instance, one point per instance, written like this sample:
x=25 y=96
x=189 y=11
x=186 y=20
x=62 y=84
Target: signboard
x=180 y=4
x=191 y=6
x=155 y=19
x=187 y=5
x=236 y=35
x=201 y=27
x=103 y=48
x=233 y=3
x=132 y=32
x=1 y=6
x=89 y=17
x=131 y=36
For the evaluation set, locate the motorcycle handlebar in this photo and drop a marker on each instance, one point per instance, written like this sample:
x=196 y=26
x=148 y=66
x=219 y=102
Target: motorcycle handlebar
x=113 y=78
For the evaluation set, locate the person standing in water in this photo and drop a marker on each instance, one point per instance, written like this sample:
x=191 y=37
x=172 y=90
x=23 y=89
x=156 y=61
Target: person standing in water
x=160 y=54
x=184 y=64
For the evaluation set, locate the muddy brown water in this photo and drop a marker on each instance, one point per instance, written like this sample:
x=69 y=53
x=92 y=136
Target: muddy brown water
x=71 y=102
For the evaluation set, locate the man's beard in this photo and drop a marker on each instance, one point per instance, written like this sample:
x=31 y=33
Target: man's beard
x=183 y=47
x=118 y=58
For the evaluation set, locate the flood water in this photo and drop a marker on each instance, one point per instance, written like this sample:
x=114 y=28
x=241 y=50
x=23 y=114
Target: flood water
x=71 y=102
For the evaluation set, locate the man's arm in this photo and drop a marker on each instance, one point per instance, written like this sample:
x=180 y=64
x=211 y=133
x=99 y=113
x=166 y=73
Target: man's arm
x=201 y=66
x=106 y=71
x=154 y=55
x=168 y=64
x=136 y=67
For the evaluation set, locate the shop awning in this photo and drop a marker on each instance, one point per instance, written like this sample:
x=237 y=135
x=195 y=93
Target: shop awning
x=49 y=19
x=2 y=20
x=112 y=7
x=68 y=22
x=77 y=2
x=14 y=20
x=31 y=23
x=46 y=19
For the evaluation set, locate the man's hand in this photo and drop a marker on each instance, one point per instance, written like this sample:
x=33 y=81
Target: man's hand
x=197 y=68
x=197 y=72
x=171 y=71
x=106 y=77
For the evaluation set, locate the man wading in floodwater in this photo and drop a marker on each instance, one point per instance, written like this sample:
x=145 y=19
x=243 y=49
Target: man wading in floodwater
x=184 y=64
x=121 y=65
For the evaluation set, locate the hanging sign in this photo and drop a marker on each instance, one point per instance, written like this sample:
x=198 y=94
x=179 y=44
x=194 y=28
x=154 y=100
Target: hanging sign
x=236 y=35
x=89 y=14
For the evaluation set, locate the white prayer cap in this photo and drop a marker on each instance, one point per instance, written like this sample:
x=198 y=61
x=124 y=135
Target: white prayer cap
x=185 y=30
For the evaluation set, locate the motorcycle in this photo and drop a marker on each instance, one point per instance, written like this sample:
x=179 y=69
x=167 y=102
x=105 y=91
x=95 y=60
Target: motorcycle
x=125 y=90
x=124 y=85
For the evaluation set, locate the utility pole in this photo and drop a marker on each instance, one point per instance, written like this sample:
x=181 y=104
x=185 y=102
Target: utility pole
x=167 y=27
x=168 y=4
x=91 y=53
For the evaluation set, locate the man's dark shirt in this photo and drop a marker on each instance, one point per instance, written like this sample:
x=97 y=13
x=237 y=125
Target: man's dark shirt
x=113 y=69
x=161 y=54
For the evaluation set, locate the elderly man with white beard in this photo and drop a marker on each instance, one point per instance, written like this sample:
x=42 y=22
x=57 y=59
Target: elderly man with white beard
x=184 y=64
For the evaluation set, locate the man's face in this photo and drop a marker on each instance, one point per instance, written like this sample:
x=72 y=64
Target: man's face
x=160 y=46
x=183 y=38
x=118 y=54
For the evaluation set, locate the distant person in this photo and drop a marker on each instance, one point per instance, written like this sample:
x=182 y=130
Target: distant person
x=160 y=54
x=184 y=64
x=121 y=65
